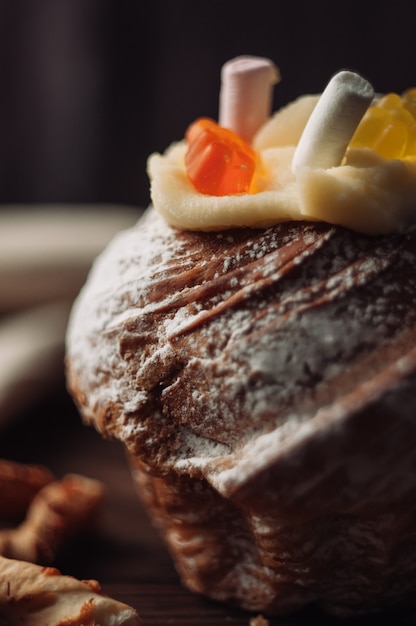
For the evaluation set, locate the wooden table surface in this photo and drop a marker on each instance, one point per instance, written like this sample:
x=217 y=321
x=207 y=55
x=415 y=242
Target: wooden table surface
x=125 y=553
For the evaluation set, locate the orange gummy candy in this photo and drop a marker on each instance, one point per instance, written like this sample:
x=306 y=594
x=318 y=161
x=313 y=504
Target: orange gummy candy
x=218 y=161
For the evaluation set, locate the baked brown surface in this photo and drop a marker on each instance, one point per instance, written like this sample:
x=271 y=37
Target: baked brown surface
x=263 y=383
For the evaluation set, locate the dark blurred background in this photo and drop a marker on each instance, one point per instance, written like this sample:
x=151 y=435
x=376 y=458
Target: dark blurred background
x=88 y=88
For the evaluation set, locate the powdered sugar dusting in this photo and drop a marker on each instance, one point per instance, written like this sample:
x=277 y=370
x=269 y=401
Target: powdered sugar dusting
x=273 y=318
x=270 y=376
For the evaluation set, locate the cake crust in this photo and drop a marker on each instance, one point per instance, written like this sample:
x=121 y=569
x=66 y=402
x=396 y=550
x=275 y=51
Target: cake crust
x=263 y=384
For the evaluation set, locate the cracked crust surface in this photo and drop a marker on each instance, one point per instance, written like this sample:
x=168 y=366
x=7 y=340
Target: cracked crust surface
x=263 y=383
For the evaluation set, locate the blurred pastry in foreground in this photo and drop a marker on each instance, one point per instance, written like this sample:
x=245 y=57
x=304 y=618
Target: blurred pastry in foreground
x=32 y=595
x=59 y=511
x=19 y=484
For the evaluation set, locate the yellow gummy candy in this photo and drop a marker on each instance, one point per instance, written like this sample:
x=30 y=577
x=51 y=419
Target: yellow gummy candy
x=409 y=100
x=392 y=142
x=390 y=101
x=389 y=126
x=411 y=141
x=402 y=114
x=369 y=128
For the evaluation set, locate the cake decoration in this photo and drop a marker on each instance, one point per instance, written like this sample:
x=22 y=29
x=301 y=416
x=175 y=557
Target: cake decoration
x=313 y=161
x=218 y=161
x=245 y=101
x=389 y=127
x=333 y=122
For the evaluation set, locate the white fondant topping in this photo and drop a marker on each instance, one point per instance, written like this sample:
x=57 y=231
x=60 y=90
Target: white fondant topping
x=365 y=193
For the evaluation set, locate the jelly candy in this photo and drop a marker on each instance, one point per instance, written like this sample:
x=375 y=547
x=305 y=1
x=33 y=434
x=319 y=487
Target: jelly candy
x=391 y=142
x=409 y=100
x=389 y=126
x=369 y=128
x=218 y=161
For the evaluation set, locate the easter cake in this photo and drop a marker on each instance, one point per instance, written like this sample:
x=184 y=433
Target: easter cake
x=252 y=342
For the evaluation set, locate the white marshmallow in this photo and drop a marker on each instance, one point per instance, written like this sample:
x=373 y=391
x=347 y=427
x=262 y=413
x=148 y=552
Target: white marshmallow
x=246 y=94
x=333 y=122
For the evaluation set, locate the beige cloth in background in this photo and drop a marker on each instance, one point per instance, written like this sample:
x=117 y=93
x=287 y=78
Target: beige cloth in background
x=45 y=256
